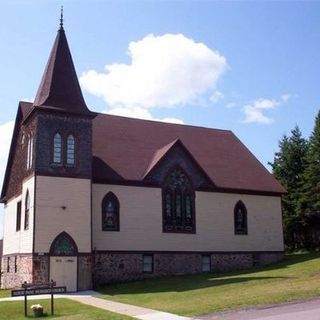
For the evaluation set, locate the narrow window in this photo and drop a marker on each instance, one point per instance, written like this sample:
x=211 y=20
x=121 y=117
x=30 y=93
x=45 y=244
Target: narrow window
x=28 y=152
x=57 y=148
x=148 y=263
x=18 y=219
x=27 y=211
x=110 y=213
x=31 y=151
x=70 y=150
x=178 y=203
x=8 y=265
x=240 y=219
x=15 y=264
x=206 y=263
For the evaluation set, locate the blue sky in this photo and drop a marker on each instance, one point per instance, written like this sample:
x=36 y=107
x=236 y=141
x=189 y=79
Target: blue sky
x=251 y=67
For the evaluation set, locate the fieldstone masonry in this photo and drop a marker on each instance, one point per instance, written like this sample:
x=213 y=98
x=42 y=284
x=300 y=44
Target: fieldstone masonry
x=16 y=270
x=120 y=267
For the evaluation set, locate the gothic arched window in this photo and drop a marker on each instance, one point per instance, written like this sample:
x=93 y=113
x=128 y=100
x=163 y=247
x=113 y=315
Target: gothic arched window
x=26 y=211
x=178 y=203
x=63 y=245
x=70 y=150
x=110 y=213
x=57 y=148
x=240 y=218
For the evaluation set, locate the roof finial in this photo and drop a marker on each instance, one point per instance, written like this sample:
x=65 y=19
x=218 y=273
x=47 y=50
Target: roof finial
x=61 y=18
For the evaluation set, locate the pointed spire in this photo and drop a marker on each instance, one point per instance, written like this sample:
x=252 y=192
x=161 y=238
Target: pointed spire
x=59 y=87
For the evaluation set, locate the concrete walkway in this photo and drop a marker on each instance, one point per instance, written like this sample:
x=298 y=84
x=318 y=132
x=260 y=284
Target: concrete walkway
x=92 y=298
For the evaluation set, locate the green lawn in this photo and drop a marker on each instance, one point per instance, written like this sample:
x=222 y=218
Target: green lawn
x=64 y=310
x=297 y=277
x=5 y=293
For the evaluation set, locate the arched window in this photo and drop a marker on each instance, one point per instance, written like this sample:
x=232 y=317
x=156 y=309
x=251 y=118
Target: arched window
x=240 y=218
x=26 y=211
x=30 y=151
x=110 y=213
x=63 y=245
x=178 y=203
x=57 y=148
x=70 y=150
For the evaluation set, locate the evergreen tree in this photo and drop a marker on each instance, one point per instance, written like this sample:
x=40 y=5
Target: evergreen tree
x=309 y=202
x=288 y=168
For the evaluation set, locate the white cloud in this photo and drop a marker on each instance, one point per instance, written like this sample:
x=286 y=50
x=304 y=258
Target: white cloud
x=254 y=111
x=140 y=113
x=165 y=71
x=6 y=130
x=216 y=96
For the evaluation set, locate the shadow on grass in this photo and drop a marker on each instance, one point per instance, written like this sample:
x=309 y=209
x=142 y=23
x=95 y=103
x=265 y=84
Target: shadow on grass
x=199 y=281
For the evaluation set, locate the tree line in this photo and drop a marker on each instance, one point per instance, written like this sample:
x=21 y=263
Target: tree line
x=297 y=167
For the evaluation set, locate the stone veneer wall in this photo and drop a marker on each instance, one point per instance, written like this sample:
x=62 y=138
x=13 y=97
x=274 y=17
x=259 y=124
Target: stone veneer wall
x=41 y=269
x=120 y=267
x=20 y=270
x=84 y=272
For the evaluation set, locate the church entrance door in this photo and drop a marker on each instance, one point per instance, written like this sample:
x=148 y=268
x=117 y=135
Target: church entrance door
x=63 y=270
x=64 y=262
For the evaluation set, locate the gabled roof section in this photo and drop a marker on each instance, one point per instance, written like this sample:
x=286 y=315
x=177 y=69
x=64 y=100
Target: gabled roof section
x=59 y=87
x=158 y=155
x=162 y=153
x=24 y=109
x=132 y=147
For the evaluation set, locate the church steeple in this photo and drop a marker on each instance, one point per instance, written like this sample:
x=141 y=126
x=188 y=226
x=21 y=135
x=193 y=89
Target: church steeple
x=59 y=87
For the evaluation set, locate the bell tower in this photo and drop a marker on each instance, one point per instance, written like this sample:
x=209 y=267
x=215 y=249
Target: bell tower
x=62 y=167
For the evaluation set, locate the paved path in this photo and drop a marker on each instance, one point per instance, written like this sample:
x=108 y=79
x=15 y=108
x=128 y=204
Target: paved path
x=306 y=310
x=91 y=298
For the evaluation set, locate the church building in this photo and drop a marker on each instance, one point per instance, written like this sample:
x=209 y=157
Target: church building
x=92 y=198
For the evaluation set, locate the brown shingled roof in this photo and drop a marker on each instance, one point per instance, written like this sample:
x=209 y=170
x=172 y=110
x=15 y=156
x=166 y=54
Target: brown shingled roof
x=130 y=148
x=59 y=86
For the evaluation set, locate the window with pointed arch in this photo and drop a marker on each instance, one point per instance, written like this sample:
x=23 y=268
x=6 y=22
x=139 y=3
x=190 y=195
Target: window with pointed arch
x=110 y=213
x=178 y=200
x=26 y=211
x=240 y=218
x=70 y=150
x=57 y=148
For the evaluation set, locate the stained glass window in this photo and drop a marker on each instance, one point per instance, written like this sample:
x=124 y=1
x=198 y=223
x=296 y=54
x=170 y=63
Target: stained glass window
x=26 y=211
x=110 y=213
x=70 y=150
x=57 y=148
x=178 y=202
x=64 y=246
x=240 y=218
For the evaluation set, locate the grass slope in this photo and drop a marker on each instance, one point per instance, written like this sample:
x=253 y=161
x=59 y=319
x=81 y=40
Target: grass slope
x=5 y=293
x=297 y=277
x=64 y=310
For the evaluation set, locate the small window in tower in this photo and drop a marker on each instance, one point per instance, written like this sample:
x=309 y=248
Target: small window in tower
x=70 y=150
x=57 y=148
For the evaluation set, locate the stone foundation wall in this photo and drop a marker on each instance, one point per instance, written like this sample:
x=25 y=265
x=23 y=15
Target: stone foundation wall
x=116 y=267
x=84 y=272
x=16 y=270
x=41 y=269
x=121 y=267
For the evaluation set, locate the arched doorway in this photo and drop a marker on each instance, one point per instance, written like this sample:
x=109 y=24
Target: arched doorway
x=64 y=262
